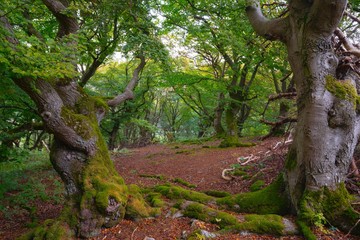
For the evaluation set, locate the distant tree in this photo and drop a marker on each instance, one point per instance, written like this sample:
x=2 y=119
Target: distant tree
x=213 y=27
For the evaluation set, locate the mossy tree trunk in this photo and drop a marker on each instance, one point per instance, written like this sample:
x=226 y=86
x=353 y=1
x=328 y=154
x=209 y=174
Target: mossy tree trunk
x=237 y=111
x=96 y=195
x=328 y=116
x=219 y=110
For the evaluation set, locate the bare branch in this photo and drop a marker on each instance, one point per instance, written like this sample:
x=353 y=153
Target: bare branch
x=128 y=93
x=274 y=29
x=278 y=123
x=347 y=44
x=282 y=95
x=354 y=18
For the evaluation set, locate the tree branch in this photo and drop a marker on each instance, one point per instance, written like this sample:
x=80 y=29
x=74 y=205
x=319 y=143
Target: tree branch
x=128 y=93
x=67 y=23
x=347 y=44
x=325 y=15
x=274 y=29
x=278 y=123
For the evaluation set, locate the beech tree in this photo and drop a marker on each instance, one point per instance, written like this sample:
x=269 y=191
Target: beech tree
x=42 y=45
x=327 y=85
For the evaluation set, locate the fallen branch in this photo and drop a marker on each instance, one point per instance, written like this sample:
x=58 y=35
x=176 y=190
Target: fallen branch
x=282 y=95
x=278 y=123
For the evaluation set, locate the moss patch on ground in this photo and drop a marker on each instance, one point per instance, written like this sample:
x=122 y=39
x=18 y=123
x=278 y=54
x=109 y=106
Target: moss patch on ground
x=50 y=229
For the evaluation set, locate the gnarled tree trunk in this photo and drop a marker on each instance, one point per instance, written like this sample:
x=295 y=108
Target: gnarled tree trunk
x=96 y=195
x=328 y=112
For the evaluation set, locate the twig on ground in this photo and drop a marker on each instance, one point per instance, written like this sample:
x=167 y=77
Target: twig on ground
x=352 y=228
x=132 y=235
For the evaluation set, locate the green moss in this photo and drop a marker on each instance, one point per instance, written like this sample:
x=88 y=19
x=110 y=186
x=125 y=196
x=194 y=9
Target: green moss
x=175 y=192
x=81 y=124
x=270 y=200
x=324 y=206
x=50 y=230
x=342 y=89
x=184 y=183
x=136 y=207
x=207 y=214
x=90 y=104
x=218 y=194
x=155 y=199
x=232 y=141
x=306 y=231
x=291 y=162
x=196 y=235
x=156 y=176
x=256 y=186
x=270 y=223
x=239 y=172
x=101 y=181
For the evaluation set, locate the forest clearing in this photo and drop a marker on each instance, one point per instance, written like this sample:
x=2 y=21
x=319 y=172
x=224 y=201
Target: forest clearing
x=195 y=167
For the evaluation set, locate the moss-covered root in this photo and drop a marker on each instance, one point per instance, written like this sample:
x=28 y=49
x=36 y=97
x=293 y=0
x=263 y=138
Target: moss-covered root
x=175 y=192
x=50 y=230
x=326 y=206
x=270 y=223
x=270 y=200
x=138 y=208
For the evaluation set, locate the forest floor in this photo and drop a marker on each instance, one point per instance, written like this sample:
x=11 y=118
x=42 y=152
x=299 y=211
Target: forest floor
x=199 y=164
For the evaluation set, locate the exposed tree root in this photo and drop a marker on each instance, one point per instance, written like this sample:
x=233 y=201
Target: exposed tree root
x=326 y=207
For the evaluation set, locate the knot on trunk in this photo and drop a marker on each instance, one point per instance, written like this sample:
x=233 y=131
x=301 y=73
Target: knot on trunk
x=341 y=114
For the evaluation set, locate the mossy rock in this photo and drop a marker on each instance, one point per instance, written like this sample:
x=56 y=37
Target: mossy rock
x=261 y=224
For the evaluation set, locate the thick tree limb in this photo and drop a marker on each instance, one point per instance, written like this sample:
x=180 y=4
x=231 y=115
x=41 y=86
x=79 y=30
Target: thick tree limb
x=50 y=106
x=274 y=29
x=67 y=23
x=282 y=95
x=29 y=28
x=128 y=93
x=278 y=123
x=325 y=15
x=6 y=25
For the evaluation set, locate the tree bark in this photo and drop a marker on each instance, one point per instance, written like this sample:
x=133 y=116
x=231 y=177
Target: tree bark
x=96 y=196
x=328 y=122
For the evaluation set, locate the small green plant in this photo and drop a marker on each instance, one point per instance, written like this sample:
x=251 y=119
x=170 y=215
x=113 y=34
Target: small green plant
x=320 y=222
x=20 y=185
